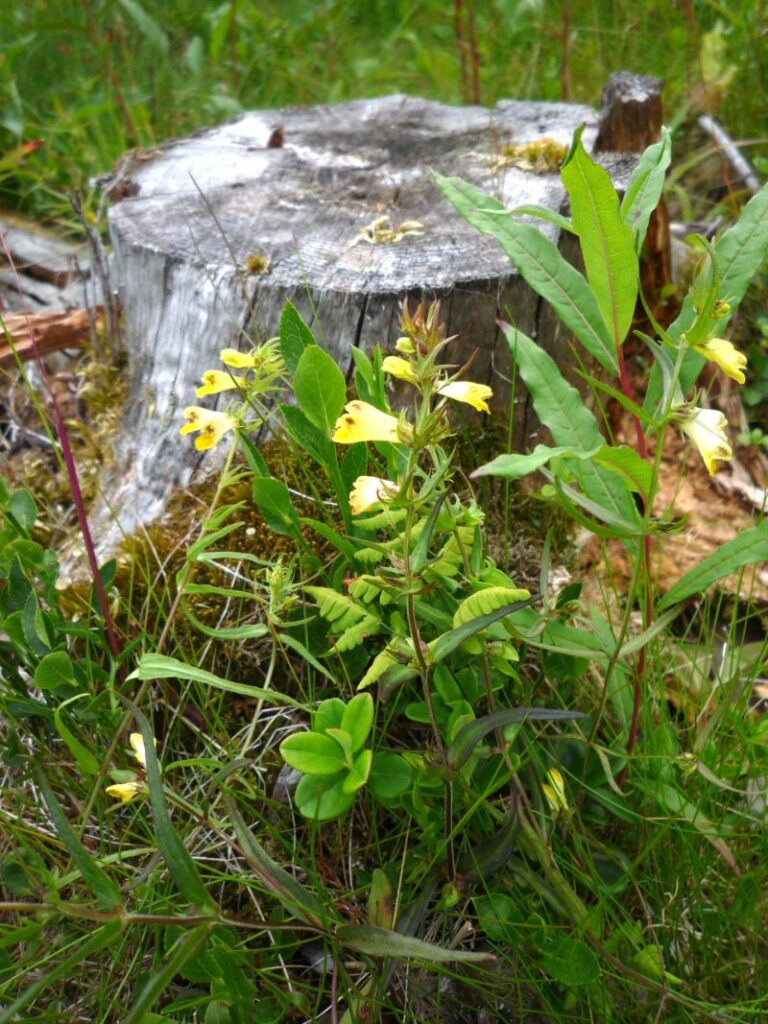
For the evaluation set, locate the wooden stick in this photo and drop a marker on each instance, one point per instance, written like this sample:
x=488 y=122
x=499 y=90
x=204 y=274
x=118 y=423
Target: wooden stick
x=48 y=331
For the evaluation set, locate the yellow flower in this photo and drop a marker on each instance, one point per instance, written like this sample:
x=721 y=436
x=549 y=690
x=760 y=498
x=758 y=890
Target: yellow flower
x=555 y=793
x=706 y=428
x=363 y=422
x=369 y=491
x=239 y=360
x=136 y=741
x=212 y=425
x=467 y=391
x=727 y=357
x=126 y=791
x=215 y=381
x=400 y=368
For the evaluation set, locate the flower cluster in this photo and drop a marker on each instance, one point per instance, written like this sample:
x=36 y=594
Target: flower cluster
x=263 y=366
x=362 y=421
x=130 y=784
x=706 y=428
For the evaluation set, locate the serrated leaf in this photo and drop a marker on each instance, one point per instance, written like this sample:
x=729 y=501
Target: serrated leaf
x=541 y=264
x=607 y=244
x=485 y=601
x=320 y=388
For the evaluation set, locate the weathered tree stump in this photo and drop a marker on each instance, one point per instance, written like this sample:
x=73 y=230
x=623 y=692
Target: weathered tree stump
x=300 y=187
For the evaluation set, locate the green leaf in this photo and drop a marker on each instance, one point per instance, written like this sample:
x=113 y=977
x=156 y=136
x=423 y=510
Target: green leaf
x=321 y=798
x=381 y=910
x=570 y=961
x=741 y=250
x=300 y=902
x=749 y=548
x=160 y=666
x=646 y=186
x=87 y=763
x=354 y=464
x=188 y=948
x=467 y=738
x=390 y=775
x=181 y=866
x=541 y=264
x=146 y=24
x=101 y=938
x=22 y=508
x=357 y=776
x=630 y=466
x=446 y=644
x=380 y=942
x=512 y=465
x=487 y=600
x=320 y=388
x=358 y=719
x=571 y=424
x=105 y=891
x=333 y=537
x=305 y=433
x=606 y=241
x=313 y=753
x=273 y=500
x=295 y=337
x=54 y=670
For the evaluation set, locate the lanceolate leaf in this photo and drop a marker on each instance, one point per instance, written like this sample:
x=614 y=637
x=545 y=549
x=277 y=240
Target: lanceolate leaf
x=273 y=500
x=646 y=186
x=560 y=407
x=295 y=336
x=541 y=264
x=161 y=666
x=514 y=465
x=380 y=942
x=448 y=642
x=606 y=241
x=749 y=548
x=101 y=885
x=470 y=735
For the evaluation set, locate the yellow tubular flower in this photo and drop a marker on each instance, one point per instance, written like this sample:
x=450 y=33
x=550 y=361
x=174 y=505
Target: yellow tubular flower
x=239 y=360
x=706 y=428
x=136 y=741
x=363 y=422
x=369 y=491
x=215 y=381
x=126 y=791
x=728 y=358
x=400 y=368
x=555 y=793
x=476 y=395
x=212 y=425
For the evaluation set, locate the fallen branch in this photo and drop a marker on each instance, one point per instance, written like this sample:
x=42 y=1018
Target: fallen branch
x=20 y=333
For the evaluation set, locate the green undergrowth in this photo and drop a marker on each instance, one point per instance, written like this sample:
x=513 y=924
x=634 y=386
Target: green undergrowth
x=328 y=747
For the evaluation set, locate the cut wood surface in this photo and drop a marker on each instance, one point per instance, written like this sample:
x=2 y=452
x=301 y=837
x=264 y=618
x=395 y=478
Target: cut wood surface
x=37 y=334
x=302 y=187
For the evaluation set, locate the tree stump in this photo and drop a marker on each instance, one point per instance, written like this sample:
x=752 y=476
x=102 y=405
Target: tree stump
x=192 y=221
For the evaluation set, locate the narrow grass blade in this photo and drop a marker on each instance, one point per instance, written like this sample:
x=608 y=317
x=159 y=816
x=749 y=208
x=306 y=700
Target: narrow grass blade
x=188 y=948
x=98 y=881
x=160 y=666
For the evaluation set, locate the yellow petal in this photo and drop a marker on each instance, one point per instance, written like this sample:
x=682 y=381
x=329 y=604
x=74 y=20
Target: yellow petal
x=215 y=381
x=212 y=425
x=726 y=356
x=706 y=428
x=125 y=791
x=239 y=360
x=400 y=368
x=555 y=792
x=476 y=395
x=136 y=741
x=369 y=491
x=363 y=422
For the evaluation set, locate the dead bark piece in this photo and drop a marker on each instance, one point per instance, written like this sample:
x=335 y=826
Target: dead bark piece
x=324 y=217
x=41 y=333
x=631 y=113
